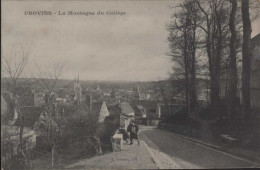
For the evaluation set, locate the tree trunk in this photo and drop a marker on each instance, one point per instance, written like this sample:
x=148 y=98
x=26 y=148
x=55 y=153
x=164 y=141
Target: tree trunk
x=217 y=67
x=227 y=80
x=23 y=154
x=211 y=74
x=186 y=64
x=52 y=155
x=214 y=50
x=21 y=130
x=165 y=100
x=233 y=65
x=193 y=82
x=214 y=94
x=98 y=144
x=246 y=60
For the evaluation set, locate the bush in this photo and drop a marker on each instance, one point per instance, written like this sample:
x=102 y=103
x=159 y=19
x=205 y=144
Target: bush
x=193 y=123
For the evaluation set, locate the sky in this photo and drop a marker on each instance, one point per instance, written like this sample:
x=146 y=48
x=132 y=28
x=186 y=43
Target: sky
x=110 y=47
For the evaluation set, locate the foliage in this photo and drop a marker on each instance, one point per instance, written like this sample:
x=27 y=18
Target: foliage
x=81 y=123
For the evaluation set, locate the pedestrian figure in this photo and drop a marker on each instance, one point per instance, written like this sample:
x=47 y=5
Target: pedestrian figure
x=133 y=129
x=124 y=133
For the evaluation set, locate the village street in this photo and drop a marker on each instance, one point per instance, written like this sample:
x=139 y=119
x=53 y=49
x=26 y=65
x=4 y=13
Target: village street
x=170 y=151
x=162 y=150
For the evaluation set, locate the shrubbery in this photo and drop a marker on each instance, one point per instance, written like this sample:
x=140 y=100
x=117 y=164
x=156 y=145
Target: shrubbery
x=82 y=136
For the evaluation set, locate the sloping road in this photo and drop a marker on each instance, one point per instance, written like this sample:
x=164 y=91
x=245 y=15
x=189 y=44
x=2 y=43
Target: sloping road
x=187 y=154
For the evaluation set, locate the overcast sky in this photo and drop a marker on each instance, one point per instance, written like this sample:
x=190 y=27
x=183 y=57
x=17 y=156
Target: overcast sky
x=129 y=47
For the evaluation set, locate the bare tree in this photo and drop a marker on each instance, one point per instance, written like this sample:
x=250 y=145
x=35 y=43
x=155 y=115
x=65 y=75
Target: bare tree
x=49 y=75
x=53 y=128
x=50 y=125
x=215 y=26
x=183 y=45
x=13 y=64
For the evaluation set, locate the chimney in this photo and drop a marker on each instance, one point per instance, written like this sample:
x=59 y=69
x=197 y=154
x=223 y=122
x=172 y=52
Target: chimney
x=89 y=101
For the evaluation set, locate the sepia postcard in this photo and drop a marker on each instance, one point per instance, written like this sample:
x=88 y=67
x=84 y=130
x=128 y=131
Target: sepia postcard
x=130 y=84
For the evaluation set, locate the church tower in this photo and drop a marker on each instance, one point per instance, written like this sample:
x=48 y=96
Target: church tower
x=137 y=93
x=77 y=91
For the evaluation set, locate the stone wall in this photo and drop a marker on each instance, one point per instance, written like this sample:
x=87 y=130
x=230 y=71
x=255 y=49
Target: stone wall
x=182 y=130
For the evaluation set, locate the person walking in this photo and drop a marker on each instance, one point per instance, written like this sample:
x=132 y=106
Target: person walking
x=133 y=129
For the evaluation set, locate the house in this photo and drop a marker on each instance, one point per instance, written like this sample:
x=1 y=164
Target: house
x=140 y=115
x=26 y=98
x=4 y=106
x=103 y=113
x=152 y=117
x=147 y=110
x=60 y=100
x=165 y=111
x=100 y=110
x=8 y=112
x=127 y=114
x=39 y=99
x=126 y=109
x=255 y=77
x=123 y=112
x=30 y=115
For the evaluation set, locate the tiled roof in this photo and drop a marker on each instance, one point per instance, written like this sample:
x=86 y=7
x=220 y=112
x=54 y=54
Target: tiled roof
x=6 y=97
x=9 y=105
x=255 y=41
x=126 y=108
x=114 y=109
x=103 y=112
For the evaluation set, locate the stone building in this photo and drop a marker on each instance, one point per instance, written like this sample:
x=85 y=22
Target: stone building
x=145 y=112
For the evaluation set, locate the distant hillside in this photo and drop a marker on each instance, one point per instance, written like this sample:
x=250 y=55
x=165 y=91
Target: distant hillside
x=109 y=85
x=91 y=84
